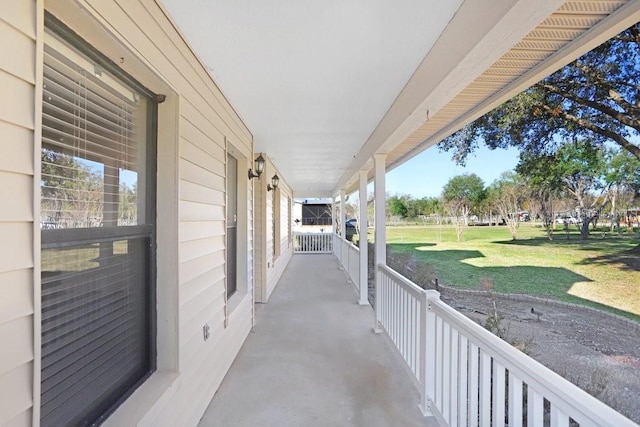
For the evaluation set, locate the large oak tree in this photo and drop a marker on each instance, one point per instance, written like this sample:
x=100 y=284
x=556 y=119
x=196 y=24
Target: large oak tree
x=595 y=98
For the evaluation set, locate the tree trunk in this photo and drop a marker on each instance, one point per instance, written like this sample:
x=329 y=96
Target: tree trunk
x=613 y=208
x=584 y=230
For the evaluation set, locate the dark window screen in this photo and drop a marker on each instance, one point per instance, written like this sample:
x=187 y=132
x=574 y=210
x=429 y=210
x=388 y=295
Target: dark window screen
x=316 y=214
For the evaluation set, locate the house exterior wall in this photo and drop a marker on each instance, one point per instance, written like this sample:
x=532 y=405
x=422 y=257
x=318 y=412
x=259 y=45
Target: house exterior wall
x=284 y=249
x=197 y=127
x=17 y=258
x=260 y=233
x=272 y=255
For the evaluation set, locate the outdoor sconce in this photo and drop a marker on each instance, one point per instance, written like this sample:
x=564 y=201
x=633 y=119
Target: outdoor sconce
x=259 y=162
x=274 y=183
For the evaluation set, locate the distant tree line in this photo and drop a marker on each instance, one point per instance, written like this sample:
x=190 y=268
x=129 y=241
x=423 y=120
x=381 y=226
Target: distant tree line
x=579 y=183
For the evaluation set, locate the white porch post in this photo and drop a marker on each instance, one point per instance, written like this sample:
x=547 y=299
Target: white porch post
x=334 y=230
x=364 y=248
x=380 y=230
x=333 y=215
x=343 y=252
x=343 y=229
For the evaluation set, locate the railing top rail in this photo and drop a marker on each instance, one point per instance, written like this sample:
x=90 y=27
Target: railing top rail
x=565 y=395
x=352 y=246
x=415 y=290
x=299 y=233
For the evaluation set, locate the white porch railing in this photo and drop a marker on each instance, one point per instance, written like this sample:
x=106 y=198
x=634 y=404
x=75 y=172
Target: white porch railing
x=349 y=256
x=312 y=243
x=468 y=376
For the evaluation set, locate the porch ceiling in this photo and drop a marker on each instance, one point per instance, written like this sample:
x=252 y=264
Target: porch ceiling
x=323 y=86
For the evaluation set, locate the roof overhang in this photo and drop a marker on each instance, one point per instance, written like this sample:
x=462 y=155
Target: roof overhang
x=323 y=86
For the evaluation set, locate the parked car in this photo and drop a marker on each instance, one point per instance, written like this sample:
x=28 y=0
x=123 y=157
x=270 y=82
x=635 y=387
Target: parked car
x=567 y=220
x=351 y=228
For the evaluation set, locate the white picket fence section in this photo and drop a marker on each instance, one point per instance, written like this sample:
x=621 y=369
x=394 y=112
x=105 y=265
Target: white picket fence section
x=313 y=243
x=468 y=376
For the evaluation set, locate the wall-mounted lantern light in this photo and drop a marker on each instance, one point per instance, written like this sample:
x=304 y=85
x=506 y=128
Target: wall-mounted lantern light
x=274 y=183
x=259 y=163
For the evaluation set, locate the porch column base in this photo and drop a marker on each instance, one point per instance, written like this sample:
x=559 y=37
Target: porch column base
x=425 y=409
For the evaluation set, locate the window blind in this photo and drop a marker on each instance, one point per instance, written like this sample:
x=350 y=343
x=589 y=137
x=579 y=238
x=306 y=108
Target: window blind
x=91 y=157
x=97 y=235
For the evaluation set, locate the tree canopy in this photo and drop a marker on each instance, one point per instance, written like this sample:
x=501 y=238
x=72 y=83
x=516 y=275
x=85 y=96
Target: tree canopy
x=467 y=189
x=397 y=206
x=594 y=98
x=508 y=195
x=575 y=169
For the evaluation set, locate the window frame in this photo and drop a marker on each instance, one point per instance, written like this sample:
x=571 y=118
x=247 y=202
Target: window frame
x=61 y=238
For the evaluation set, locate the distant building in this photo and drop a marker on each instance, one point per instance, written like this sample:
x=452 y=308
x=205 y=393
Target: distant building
x=312 y=212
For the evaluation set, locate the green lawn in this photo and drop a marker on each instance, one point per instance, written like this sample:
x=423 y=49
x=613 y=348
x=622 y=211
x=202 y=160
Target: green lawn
x=600 y=272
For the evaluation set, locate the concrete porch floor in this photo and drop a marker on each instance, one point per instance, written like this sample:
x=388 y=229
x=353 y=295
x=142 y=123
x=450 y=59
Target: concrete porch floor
x=313 y=360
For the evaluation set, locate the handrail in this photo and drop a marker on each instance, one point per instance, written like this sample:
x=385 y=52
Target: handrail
x=465 y=373
x=312 y=243
x=349 y=256
x=567 y=397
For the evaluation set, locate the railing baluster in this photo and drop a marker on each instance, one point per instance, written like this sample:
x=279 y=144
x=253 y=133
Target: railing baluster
x=405 y=324
x=474 y=373
x=558 y=418
x=463 y=391
x=535 y=408
x=485 y=389
x=453 y=382
x=515 y=400
x=414 y=322
x=446 y=371
x=498 y=394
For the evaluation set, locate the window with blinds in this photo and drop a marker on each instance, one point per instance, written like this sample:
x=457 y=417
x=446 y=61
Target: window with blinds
x=97 y=225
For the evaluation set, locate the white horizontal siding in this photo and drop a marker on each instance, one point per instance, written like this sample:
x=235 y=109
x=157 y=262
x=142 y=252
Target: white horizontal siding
x=16 y=146
x=13 y=184
x=199 y=284
x=284 y=222
x=17 y=118
x=199 y=175
x=279 y=264
x=205 y=119
x=20 y=111
x=17 y=298
x=21 y=62
x=17 y=394
x=200 y=229
x=17 y=336
x=239 y=328
x=260 y=246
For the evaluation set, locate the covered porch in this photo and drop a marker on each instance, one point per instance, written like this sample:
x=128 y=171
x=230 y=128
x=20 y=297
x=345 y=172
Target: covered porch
x=316 y=356
x=313 y=359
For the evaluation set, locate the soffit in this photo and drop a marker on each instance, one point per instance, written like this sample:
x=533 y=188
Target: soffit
x=323 y=86
x=556 y=41
x=311 y=79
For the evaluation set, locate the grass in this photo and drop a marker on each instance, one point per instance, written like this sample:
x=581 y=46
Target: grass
x=601 y=272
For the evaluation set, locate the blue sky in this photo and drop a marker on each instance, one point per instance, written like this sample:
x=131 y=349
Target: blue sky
x=428 y=172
